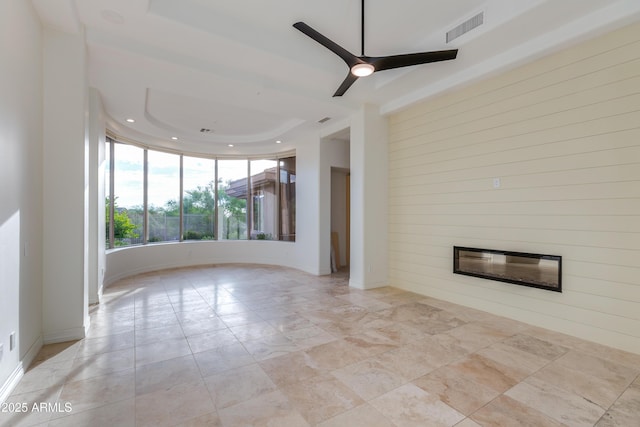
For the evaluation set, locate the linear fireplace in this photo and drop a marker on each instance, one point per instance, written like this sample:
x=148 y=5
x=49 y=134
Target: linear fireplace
x=526 y=269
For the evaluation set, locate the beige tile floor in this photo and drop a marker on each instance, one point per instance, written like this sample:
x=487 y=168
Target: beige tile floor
x=239 y=345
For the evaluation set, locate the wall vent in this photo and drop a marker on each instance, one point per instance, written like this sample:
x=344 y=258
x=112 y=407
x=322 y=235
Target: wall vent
x=465 y=27
x=205 y=130
x=326 y=119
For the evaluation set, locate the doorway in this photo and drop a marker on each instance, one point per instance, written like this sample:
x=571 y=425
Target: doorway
x=340 y=219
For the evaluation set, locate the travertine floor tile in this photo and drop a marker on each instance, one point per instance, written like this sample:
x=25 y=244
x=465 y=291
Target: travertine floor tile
x=407 y=361
x=164 y=374
x=267 y=410
x=170 y=406
x=254 y=345
x=361 y=416
x=625 y=411
x=564 y=407
x=102 y=364
x=221 y=359
x=475 y=336
x=521 y=363
x=369 y=378
x=155 y=335
x=161 y=350
x=121 y=413
x=536 y=346
x=19 y=407
x=239 y=384
x=253 y=331
x=336 y=354
x=288 y=323
x=592 y=388
x=107 y=344
x=207 y=420
x=487 y=372
x=290 y=368
x=46 y=375
x=409 y=406
x=321 y=397
x=505 y=411
x=458 y=391
x=58 y=352
x=270 y=346
x=98 y=391
x=210 y=340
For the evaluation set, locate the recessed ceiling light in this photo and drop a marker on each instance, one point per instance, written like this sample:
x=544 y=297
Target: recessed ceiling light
x=230 y=145
x=278 y=142
x=131 y=120
x=175 y=138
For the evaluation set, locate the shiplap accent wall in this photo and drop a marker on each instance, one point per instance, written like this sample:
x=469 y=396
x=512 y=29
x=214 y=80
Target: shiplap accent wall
x=563 y=136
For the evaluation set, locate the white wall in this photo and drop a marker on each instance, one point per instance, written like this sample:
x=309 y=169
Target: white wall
x=20 y=188
x=306 y=255
x=158 y=256
x=65 y=245
x=369 y=187
x=562 y=135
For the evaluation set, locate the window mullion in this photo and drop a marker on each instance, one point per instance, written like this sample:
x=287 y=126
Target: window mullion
x=216 y=222
x=112 y=203
x=249 y=193
x=181 y=227
x=145 y=199
x=278 y=203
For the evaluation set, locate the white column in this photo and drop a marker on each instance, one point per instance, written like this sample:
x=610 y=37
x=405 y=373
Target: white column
x=65 y=170
x=369 y=199
x=96 y=195
x=307 y=252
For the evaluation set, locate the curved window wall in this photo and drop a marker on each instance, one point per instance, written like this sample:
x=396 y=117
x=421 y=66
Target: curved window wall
x=167 y=197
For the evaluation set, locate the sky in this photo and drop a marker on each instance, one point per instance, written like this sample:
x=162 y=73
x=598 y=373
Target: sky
x=164 y=174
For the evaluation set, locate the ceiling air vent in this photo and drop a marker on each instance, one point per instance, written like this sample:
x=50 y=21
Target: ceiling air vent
x=465 y=27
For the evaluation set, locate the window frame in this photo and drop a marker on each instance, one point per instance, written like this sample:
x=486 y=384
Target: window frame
x=112 y=140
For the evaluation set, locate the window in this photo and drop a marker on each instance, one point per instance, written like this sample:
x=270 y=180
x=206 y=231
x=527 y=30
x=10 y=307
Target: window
x=232 y=199
x=128 y=195
x=264 y=199
x=107 y=191
x=163 y=196
x=288 y=199
x=199 y=178
x=167 y=197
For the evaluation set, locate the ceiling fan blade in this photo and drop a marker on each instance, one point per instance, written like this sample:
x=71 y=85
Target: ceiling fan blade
x=396 y=61
x=346 y=56
x=346 y=84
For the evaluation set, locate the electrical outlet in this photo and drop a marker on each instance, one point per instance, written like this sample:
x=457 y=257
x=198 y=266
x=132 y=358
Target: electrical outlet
x=12 y=341
x=496 y=182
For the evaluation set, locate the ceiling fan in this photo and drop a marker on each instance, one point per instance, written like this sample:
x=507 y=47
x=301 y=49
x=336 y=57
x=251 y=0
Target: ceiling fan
x=361 y=66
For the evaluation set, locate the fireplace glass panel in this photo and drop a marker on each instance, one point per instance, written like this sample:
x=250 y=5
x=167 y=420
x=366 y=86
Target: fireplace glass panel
x=535 y=270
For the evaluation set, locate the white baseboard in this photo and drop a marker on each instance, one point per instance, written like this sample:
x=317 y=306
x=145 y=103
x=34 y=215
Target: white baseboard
x=11 y=382
x=17 y=374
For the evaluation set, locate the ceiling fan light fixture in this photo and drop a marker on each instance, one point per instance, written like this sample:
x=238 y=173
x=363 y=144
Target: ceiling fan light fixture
x=362 y=70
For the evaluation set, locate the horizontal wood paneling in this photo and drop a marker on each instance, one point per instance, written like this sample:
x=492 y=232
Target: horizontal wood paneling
x=563 y=136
